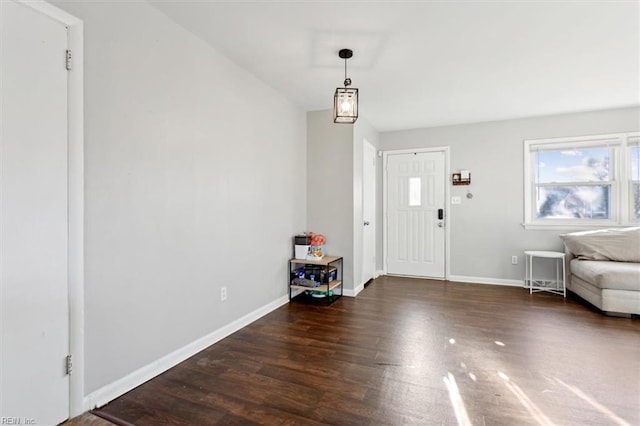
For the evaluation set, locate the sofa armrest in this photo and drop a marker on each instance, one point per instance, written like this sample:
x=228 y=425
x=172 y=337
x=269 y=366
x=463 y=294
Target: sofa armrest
x=568 y=257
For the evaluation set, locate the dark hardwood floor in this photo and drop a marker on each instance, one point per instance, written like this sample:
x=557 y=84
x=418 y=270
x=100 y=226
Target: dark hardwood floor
x=408 y=351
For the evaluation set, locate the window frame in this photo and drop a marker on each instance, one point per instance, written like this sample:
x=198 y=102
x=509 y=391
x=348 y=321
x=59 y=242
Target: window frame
x=619 y=180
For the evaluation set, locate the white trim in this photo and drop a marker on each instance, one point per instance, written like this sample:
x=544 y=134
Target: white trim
x=379 y=273
x=486 y=280
x=571 y=227
x=417 y=277
x=554 y=143
x=51 y=11
x=447 y=217
x=76 y=217
x=384 y=212
x=447 y=197
x=75 y=99
x=372 y=220
x=110 y=392
x=353 y=293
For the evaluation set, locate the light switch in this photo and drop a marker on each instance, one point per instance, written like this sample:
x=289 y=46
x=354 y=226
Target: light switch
x=455 y=200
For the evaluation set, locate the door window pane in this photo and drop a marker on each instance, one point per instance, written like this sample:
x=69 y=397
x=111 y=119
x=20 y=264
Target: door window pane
x=415 y=191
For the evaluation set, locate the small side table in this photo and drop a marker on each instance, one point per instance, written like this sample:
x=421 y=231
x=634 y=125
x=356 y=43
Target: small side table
x=558 y=286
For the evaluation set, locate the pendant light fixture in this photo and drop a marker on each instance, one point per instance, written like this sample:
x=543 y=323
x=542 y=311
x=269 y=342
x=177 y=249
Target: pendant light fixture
x=345 y=100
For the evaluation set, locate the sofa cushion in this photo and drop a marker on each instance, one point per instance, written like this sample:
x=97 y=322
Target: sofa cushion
x=607 y=274
x=622 y=245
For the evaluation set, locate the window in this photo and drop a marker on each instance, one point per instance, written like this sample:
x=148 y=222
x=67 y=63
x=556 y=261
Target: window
x=634 y=177
x=592 y=180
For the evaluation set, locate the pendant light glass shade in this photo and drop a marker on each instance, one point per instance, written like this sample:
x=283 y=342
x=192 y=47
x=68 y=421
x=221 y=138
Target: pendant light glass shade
x=345 y=100
x=345 y=105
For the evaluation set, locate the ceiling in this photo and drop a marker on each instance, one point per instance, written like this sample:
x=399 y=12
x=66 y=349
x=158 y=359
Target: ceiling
x=431 y=63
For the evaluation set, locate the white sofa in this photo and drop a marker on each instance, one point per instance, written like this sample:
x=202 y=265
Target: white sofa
x=603 y=268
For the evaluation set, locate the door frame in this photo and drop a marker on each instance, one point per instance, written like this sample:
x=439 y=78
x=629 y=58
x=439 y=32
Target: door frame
x=373 y=222
x=447 y=197
x=75 y=175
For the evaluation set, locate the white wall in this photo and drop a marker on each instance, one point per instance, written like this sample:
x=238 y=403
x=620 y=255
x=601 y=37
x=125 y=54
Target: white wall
x=191 y=184
x=330 y=188
x=486 y=230
x=334 y=206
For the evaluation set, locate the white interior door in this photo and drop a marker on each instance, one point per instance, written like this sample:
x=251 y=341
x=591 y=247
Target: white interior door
x=368 y=212
x=415 y=198
x=34 y=306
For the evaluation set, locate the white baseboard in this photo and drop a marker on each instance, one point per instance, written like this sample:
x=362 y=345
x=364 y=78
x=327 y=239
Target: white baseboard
x=485 y=280
x=113 y=390
x=353 y=293
x=378 y=274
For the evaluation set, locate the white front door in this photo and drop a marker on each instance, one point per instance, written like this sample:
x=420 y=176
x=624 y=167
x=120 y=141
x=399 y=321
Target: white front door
x=34 y=304
x=415 y=214
x=368 y=212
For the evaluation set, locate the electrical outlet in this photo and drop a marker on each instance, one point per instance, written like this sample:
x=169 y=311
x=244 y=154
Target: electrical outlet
x=514 y=260
x=223 y=294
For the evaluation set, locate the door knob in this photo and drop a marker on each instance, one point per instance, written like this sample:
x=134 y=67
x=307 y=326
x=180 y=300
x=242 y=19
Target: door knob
x=366 y=223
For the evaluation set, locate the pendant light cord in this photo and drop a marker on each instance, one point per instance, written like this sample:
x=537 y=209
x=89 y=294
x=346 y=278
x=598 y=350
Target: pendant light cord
x=347 y=80
x=345 y=71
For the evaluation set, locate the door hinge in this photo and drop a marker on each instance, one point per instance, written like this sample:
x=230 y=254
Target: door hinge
x=68 y=60
x=69 y=365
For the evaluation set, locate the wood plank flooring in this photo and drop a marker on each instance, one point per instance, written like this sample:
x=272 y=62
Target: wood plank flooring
x=407 y=351
x=87 y=419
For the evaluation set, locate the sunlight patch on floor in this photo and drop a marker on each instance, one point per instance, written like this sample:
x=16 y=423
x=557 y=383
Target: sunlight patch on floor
x=595 y=404
x=535 y=412
x=456 y=400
